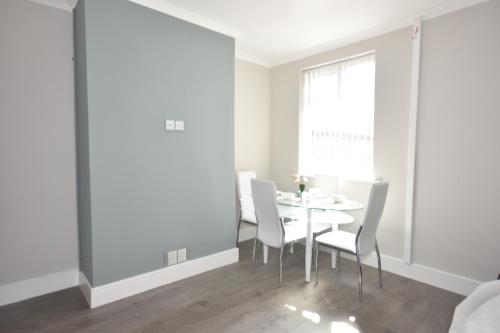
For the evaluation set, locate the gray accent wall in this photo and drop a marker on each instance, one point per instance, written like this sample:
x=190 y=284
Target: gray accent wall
x=147 y=190
x=38 y=231
x=82 y=142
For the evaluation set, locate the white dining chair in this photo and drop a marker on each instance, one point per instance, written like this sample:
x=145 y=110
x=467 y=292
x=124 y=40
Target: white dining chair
x=320 y=223
x=271 y=231
x=364 y=241
x=330 y=186
x=247 y=211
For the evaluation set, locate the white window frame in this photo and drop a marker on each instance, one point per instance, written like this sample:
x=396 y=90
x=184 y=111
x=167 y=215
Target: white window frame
x=302 y=107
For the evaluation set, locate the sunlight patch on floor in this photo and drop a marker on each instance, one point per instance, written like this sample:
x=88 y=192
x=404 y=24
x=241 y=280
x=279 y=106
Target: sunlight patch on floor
x=341 y=327
x=312 y=316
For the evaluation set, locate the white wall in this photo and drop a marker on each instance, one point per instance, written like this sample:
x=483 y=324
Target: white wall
x=252 y=117
x=393 y=70
x=456 y=230
x=37 y=142
x=457 y=225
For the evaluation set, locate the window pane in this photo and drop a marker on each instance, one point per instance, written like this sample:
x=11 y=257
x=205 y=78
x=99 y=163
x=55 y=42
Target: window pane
x=337 y=119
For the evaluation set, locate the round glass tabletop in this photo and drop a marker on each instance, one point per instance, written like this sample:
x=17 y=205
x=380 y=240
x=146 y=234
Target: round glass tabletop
x=322 y=204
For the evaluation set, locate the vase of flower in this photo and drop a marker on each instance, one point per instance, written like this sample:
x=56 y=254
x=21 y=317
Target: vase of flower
x=302 y=181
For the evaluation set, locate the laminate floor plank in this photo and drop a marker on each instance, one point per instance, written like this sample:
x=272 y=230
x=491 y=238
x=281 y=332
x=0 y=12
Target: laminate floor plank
x=231 y=299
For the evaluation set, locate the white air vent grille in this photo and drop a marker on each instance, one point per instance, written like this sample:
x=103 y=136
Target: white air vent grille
x=171 y=258
x=181 y=255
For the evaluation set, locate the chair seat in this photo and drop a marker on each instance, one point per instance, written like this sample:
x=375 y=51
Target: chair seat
x=250 y=218
x=339 y=239
x=294 y=232
x=316 y=227
x=332 y=217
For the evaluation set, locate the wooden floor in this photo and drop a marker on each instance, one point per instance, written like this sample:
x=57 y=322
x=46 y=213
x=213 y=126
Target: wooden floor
x=230 y=299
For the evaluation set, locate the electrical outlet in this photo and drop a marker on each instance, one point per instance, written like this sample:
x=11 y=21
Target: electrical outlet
x=181 y=255
x=171 y=258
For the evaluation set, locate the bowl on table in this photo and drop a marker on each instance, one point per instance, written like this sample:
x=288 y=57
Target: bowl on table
x=339 y=198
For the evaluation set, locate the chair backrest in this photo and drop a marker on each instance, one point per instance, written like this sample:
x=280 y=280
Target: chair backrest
x=328 y=184
x=366 y=237
x=270 y=230
x=245 y=195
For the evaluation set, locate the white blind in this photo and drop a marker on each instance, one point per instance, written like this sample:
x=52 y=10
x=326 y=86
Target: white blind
x=337 y=119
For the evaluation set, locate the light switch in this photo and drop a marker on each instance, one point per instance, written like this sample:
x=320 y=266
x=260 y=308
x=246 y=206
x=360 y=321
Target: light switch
x=179 y=125
x=170 y=125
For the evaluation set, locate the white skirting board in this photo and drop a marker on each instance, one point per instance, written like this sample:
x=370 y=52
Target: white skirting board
x=137 y=284
x=434 y=277
x=22 y=290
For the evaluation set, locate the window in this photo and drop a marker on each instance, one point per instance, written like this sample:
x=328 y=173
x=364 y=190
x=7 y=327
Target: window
x=336 y=123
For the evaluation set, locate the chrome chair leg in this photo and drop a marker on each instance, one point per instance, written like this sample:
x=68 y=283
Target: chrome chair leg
x=257 y=249
x=316 y=251
x=238 y=231
x=253 y=254
x=281 y=264
x=338 y=260
x=379 y=265
x=313 y=254
x=360 y=281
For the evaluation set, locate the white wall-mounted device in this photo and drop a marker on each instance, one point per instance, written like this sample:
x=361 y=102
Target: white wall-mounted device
x=179 y=125
x=170 y=125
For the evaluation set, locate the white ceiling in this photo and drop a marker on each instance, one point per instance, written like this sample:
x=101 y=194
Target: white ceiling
x=273 y=32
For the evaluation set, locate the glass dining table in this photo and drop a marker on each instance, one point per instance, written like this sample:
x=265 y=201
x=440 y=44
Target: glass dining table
x=312 y=210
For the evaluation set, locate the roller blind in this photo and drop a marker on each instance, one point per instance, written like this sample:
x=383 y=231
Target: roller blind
x=337 y=119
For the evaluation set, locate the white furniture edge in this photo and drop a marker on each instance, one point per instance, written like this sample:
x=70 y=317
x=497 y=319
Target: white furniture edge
x=434 y=277
x=38 y=286
x=115 y=291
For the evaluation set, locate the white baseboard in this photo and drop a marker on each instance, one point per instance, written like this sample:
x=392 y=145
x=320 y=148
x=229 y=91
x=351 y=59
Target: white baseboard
x=22 y=290
x=434 y=277
x=137 y=284
x=85 y=287
x=247 y=232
